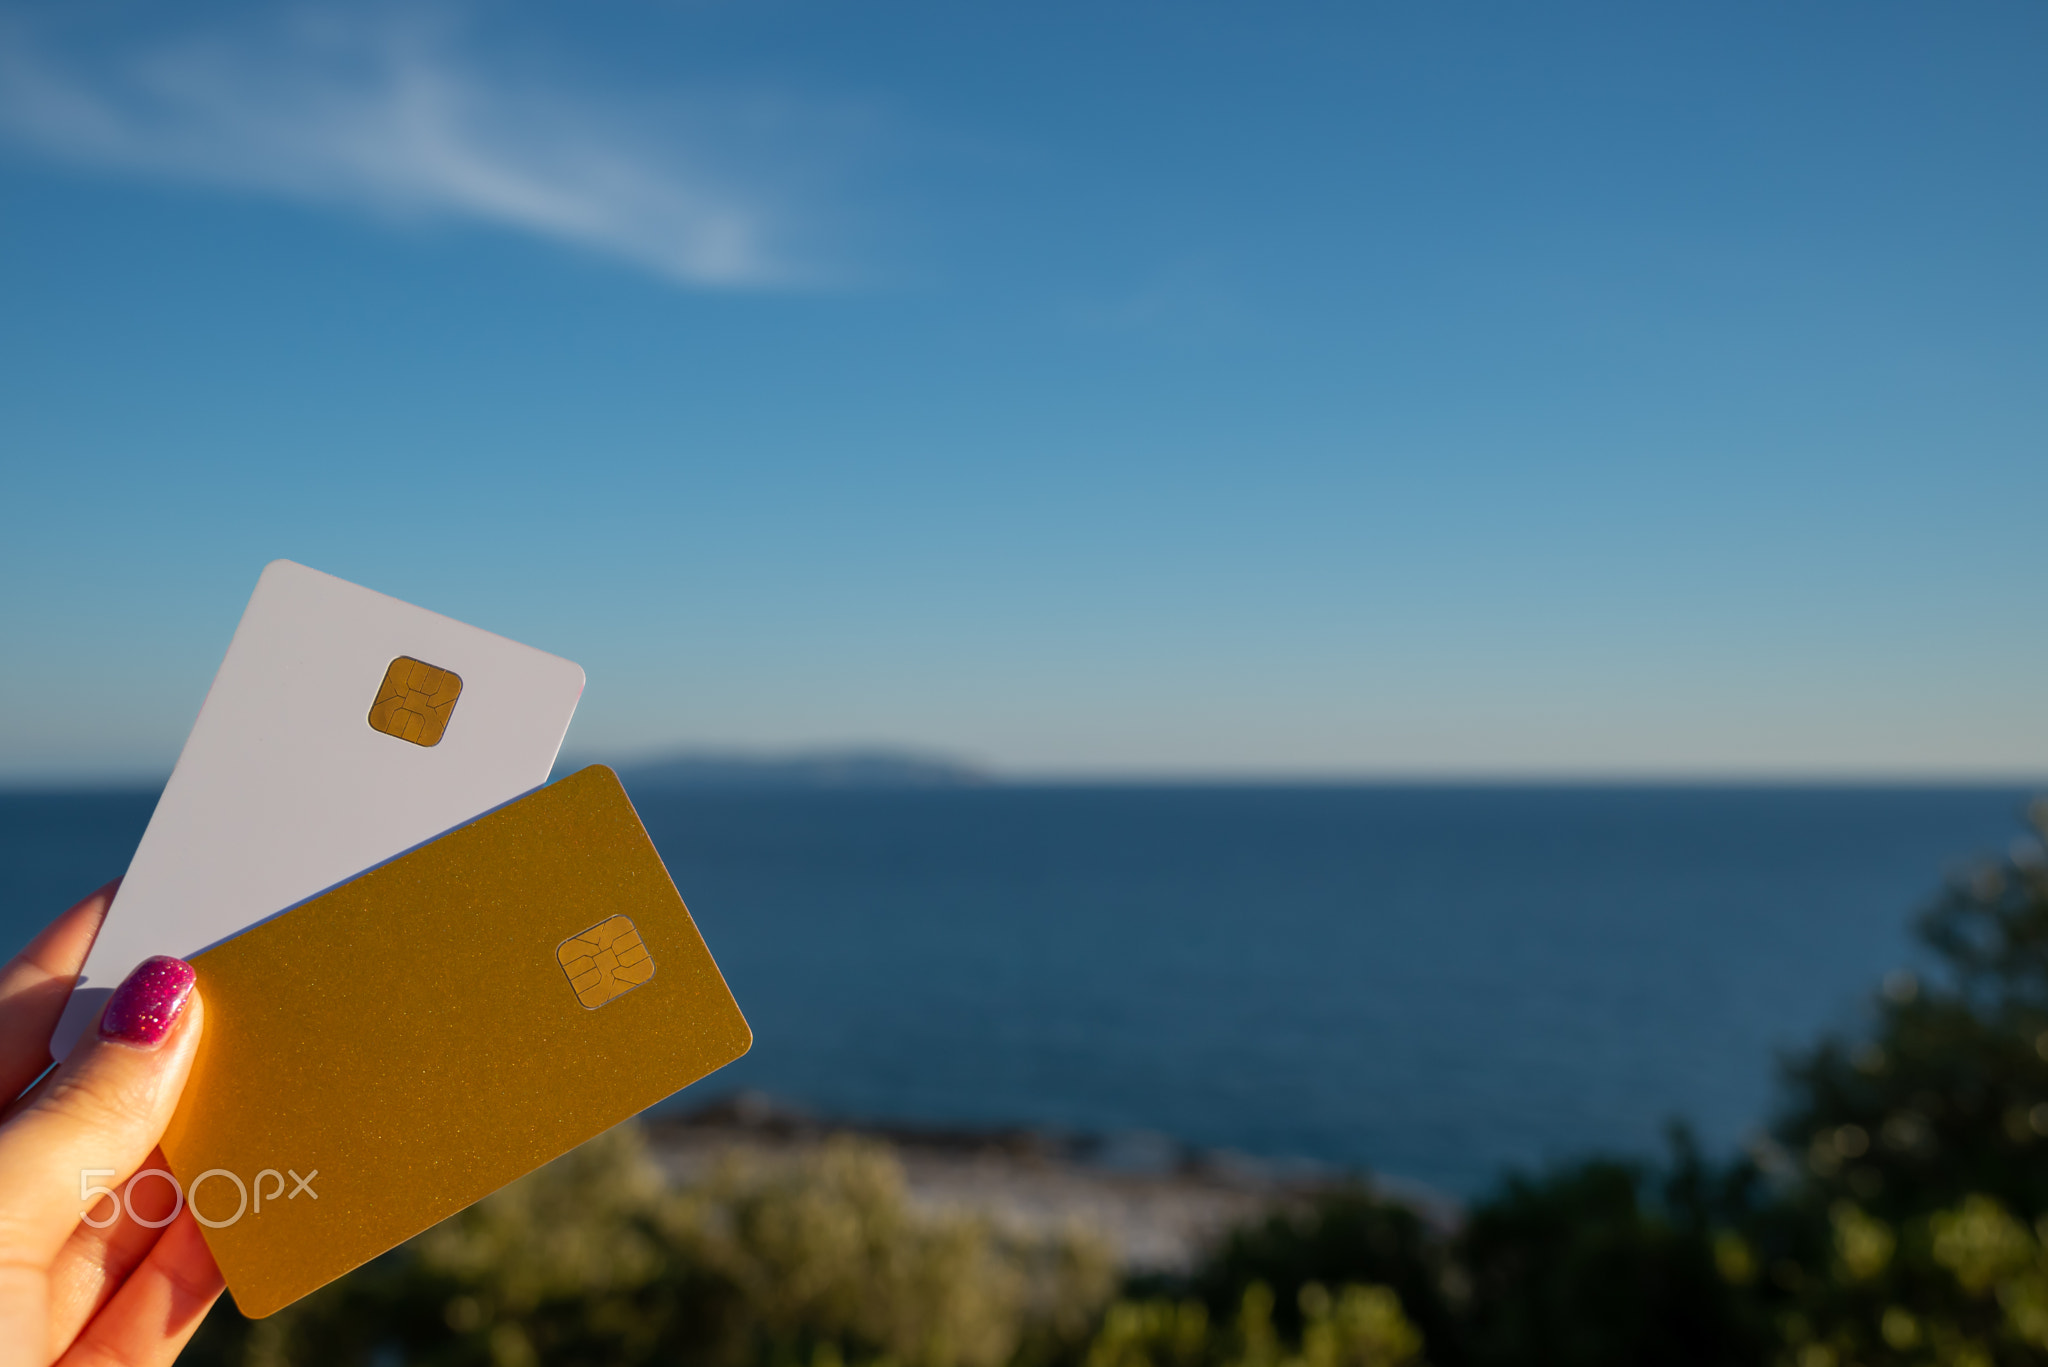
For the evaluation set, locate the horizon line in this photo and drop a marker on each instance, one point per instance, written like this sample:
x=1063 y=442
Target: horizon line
x=32 y=784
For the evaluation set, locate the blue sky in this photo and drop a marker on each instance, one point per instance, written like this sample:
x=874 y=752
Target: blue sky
x=1151 y=389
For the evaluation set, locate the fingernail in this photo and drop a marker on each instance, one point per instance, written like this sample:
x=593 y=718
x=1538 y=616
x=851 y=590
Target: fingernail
x=148 y=1003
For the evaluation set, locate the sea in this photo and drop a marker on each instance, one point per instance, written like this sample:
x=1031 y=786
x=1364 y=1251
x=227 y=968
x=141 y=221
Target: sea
x=1432 y=983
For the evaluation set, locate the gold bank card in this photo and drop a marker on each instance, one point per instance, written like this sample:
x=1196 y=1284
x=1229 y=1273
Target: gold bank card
x=435 y=1028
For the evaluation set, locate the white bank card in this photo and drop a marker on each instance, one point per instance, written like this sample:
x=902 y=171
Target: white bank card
x=343 y=728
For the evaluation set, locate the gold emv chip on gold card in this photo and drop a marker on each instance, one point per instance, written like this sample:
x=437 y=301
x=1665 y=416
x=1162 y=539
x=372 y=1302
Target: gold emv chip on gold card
x=606 y=961
x=415 y=701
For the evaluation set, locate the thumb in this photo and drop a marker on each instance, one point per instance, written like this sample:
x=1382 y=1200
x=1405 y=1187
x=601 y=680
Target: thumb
x=101 y=1112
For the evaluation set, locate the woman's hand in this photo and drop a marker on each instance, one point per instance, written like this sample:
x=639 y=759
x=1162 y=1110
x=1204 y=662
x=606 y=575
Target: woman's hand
x=125 y=1293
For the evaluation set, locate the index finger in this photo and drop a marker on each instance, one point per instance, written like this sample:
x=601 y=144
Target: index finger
x=102 y=1110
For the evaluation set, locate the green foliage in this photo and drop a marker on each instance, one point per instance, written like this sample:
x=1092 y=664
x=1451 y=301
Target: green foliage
x=1895 y=1238
x=817 y=1260
x=1949 y=1094
x=1350 y=1236
x=1602 y=1262
x=1361 y=1326
x=1595 y=1263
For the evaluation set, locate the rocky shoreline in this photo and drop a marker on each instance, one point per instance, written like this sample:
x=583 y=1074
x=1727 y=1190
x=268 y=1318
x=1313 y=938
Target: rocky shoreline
x=1158 y=1204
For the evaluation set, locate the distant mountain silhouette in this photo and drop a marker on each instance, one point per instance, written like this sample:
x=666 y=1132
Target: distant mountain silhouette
x=850 y=768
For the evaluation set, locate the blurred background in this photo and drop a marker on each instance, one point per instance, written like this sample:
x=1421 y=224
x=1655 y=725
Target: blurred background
x=1294 y=591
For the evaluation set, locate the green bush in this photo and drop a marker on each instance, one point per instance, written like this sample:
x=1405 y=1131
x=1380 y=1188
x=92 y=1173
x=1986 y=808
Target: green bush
x=816 y=1259
x=1605 y=1262
x=1361 y=1326
x=1909 y=1151
x=1349 y=1236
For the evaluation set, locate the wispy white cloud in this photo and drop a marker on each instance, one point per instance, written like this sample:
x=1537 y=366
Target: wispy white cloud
x=397 y=116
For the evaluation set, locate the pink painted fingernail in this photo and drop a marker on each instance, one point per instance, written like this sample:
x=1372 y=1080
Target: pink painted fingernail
x=148 y=1003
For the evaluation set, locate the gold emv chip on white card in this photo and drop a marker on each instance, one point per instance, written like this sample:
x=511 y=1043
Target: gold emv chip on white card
x=415 y=701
